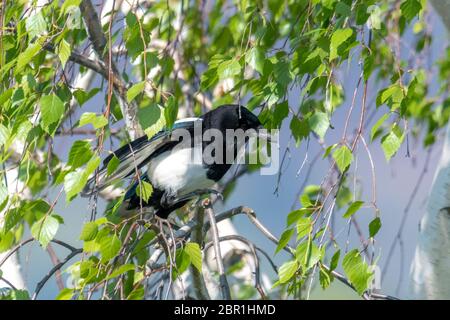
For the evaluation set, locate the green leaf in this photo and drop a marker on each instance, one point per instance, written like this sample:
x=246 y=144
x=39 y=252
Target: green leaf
x=328 y=150
x=65 y=294
x=20 y=295
x=228 y=69
x=338 y=38
x=144 y=190
x=36 y=25
x=3 y=192
x=80 y=153
x=374 y=21
x=64 y=52
x=69 y=3
x=150 y=115
x=357 y=271
x=255 y=58
x=325 y=277
x=90 y=230
x=121 y=270
x=305 y=200
x=343 y=157
x=75 y=181
x=410 y=8
x=83 y=96
x=52 y=110
x=26 y=56
x=352 y=209
x=44 y=230
x=335 y=260
x=319 y=123
x=377 y=125
x=307 y=254
x=182 y=261
x=195 y=254
x=299 y=129
x=97 y=121
x=109 y=247
x=137 y=294
x=287 y=270
x=391 y=95
x=284 y=239
x=374 y=227
x=171 y=112
x=390 y=144
x=134 y=90
x=295 y=215
x=304 y=227
x=112 y=165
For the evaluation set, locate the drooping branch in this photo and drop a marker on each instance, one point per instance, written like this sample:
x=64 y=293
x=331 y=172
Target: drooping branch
x=185 y=231
x=100 y=43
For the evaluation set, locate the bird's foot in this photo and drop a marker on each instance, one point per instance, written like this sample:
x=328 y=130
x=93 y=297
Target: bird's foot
x=218 y=194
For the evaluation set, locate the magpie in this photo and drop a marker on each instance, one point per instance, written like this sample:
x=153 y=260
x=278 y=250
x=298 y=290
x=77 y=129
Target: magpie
x=168 y=162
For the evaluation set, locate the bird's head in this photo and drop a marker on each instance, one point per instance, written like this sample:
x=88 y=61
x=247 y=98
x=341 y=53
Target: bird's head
x=232 y=117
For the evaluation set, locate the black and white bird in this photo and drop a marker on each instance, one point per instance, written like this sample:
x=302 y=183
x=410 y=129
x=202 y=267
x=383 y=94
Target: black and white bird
x=169 y=168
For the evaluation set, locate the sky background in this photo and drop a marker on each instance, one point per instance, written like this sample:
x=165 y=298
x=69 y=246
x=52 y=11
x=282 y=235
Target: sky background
x=395 y=183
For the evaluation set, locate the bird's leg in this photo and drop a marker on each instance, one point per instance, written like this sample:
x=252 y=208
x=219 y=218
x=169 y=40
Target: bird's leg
x=170 y=200
x=199 y=193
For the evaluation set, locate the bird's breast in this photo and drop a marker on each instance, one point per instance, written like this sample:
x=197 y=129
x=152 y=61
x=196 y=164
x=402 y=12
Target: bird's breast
x=179 y=171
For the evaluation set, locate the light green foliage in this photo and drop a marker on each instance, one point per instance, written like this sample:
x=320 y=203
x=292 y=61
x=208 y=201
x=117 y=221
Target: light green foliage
x=136 y=89
x=338 y=38
x=343 y=157
x=195 y=254
x=52 y=110
x=374 y=226
x=90 y=230
x=144 y=190
x=353 y=208
x=319 y=123
x=287 y=271
x=75 y=181
x=97 y=121
x=391 y=142
x=44 y=230
x=357 y=271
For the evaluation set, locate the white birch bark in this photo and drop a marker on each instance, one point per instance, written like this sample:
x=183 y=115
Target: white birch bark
x=430 y=268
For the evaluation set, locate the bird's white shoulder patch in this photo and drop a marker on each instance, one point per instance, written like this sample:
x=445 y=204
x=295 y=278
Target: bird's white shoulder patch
x=177 y=172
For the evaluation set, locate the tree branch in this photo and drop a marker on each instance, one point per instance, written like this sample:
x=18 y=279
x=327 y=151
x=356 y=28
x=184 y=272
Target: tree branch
x=41 y=283
x=224 y=287
x=99 y=43
x=198 y=281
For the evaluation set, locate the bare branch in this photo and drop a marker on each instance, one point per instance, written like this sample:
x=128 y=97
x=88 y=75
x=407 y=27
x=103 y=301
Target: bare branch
x=224 y=287
x=41 y=283
x=252 y=248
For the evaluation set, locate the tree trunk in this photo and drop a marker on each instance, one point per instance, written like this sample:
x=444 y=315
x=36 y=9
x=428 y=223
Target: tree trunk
x=430 y=268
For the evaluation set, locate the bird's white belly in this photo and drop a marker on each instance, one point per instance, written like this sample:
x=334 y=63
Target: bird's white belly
x=177 y=172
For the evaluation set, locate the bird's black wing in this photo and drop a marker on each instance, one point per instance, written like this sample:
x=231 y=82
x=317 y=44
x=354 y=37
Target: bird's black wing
x=135 y=155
